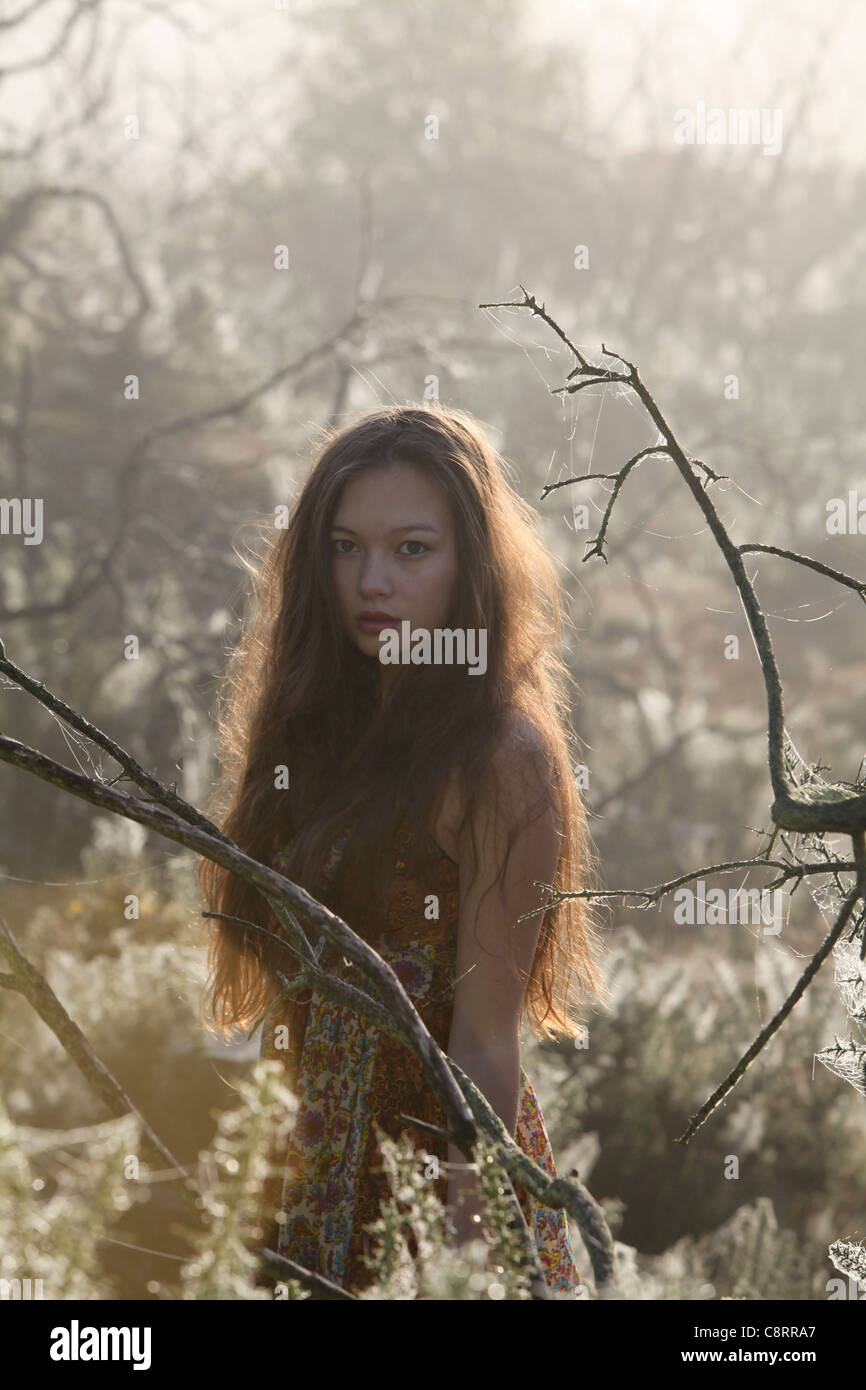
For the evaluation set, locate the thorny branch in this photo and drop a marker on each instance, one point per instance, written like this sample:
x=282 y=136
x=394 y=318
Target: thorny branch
x=26 y=980
x=814 y=809
x=730 y=1081
x=832 y=810
x=170 y=816
x=655 y=895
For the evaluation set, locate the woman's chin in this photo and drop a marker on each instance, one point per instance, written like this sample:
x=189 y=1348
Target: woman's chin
x=368 y=643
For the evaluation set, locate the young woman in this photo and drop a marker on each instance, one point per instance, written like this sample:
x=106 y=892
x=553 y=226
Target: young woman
x=422 y=799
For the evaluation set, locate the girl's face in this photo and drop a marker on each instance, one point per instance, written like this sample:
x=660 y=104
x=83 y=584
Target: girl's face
x=393 y=554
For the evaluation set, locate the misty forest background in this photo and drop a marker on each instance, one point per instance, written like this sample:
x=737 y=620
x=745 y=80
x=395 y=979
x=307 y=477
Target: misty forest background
x=154 y=256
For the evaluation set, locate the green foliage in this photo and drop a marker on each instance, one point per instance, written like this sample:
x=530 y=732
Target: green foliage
x=748 y=1257
x=235 y=1168
x=485 y=1268
x=675 y=1029
x=61 y=1237
x=133 y=988
x=755 y=1258
x=54 y=1235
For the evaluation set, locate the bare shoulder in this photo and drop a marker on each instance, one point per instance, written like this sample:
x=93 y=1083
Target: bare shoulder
x=521 y=741
x=525 y=781
x=522 y=786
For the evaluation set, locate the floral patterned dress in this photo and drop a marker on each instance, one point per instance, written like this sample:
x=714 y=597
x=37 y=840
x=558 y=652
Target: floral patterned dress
x=346 y=1073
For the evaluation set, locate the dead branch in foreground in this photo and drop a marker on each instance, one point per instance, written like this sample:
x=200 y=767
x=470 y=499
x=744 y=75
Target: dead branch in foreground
x=813 y=807
x=307 y=924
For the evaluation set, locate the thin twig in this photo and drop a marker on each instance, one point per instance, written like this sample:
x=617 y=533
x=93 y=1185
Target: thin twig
x=830 y=810
x=26 y=980
x=857 y=892
x=838 y=575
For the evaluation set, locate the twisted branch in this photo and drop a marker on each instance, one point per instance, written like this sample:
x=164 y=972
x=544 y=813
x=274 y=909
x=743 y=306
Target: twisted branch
x=817 y=808
x=172 y=817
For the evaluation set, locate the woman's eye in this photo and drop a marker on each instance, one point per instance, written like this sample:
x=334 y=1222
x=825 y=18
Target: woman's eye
x=339 y=541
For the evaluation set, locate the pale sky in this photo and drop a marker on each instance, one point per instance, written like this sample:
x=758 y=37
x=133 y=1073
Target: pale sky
x=642 y=60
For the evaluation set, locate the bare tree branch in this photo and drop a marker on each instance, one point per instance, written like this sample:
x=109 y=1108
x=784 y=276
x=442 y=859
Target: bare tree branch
x=323 y=1288
x=81 y=8
x=813 y=808
x=186 y=825
x=26 y=980
x=652 y=896
x=858 y=584
x=857 y=892
x=828 y=808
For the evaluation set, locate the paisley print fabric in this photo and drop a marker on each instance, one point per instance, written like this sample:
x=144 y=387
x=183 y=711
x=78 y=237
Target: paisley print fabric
x=346 y=1073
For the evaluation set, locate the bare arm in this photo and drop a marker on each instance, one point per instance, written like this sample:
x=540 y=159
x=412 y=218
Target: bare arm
x=485 y=1028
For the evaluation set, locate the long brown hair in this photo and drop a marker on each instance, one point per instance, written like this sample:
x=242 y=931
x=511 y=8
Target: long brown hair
x=299 y=694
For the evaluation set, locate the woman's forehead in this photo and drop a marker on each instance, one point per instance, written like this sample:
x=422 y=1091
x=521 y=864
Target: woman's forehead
x=392 y=489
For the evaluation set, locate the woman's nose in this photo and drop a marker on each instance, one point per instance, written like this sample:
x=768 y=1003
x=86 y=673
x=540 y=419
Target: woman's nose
x=374 y=576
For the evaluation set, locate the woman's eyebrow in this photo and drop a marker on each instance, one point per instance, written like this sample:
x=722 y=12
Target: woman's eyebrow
x=408 y=526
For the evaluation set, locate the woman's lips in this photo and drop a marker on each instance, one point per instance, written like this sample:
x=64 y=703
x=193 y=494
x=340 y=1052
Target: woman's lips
x=376 y=624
